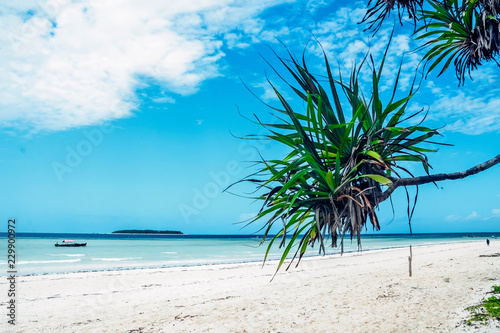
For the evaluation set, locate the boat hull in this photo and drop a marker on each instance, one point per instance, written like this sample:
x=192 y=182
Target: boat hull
x=71 y=245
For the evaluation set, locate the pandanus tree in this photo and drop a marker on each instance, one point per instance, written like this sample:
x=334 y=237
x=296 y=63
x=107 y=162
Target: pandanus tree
x=347 y=148
x=344 y=152
x=347 y=154
x=466 y=32
x=379 y=10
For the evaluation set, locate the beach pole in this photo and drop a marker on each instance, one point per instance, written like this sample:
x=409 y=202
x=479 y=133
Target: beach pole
x=409 y=261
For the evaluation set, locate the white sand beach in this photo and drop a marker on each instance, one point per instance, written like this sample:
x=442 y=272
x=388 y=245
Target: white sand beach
x=358 y=292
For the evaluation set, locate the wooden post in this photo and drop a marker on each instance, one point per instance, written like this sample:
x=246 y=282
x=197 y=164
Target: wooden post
x=409 y=261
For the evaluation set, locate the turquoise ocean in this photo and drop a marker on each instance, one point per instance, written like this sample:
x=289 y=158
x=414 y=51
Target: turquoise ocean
x=37 y=255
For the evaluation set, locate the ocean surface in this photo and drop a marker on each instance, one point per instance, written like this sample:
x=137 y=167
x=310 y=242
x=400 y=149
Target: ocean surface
x=36 y=253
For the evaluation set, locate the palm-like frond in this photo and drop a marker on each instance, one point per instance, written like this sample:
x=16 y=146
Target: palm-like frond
x=465 y=32
x=378 y=11
x=332 y=179
x=487 y=31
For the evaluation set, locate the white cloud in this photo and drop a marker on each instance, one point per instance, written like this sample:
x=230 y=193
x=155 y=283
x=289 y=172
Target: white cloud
x=346 y=42
x=163 y=100
x=495 y=213
x=469 y=111
x=314 y=5
x=74 y=63
x=244 y=217
x=453 y=218
x=268 y=93
x=472 y=216
x=272 y=35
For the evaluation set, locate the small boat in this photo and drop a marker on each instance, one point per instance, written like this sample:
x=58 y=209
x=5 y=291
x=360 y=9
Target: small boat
x=70 y=243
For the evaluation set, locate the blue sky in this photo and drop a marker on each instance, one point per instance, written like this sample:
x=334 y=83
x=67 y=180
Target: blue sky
x=121 y=115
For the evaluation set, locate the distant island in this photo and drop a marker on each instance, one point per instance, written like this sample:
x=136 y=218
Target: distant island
x=157 y=232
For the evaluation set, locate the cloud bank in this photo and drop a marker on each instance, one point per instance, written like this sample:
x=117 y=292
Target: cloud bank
x=73 y=63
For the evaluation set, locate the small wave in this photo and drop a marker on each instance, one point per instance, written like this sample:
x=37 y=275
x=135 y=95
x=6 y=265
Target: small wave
x=48 y=261
x=116 y=259
x=170 y=252
x=68 y=255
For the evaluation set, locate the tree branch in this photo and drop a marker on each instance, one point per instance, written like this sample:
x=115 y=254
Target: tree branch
x=415 y=181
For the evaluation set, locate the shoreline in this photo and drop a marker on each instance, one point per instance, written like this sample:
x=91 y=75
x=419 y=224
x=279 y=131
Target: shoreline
x=243 y=261
x=357 y=292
